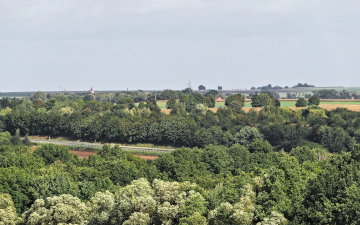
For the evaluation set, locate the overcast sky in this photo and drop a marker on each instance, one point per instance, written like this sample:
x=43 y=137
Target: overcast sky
x=158 y=44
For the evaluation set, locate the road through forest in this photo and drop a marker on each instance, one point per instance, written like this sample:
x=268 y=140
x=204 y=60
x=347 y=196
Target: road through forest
x=81 y=144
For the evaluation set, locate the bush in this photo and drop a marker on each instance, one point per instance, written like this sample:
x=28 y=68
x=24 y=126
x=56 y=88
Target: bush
x=314 y=100
x=52 y=153
x=301 y=102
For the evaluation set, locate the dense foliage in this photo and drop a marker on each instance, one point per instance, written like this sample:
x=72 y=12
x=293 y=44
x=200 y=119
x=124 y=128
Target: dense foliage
x=241 y=184
x=190 y=123
x=276 y=166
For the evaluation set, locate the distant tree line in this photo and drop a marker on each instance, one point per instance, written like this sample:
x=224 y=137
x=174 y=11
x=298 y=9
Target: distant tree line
x=303 y=85
x=334 y=94
x=276 y=87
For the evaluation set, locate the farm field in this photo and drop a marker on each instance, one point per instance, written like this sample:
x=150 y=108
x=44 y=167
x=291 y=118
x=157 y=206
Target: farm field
x=290 y=103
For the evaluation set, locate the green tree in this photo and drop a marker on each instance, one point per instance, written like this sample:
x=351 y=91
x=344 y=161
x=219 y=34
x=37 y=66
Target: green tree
x=237 y=100
x=202 y=88
x=212 y=93
x=301 y=102
x=304 y=154
x=274 y=218
x=246 y=135
x=261 y=100
x=16 y=181
x=260 y=145
x=195 y=219
x=125 y=103
x=241 y=213
x=26 y=140
x=101 y=207
x=51 y=153
x=135 y=197
x=53 y=180
x=8 y=215
x=16 y=140
x=152 y=105
x=277 y=103
x=336 y=139
x=333 y=196
x=138 y=218
x=63 y=209
x=314 y=100
x=5 y=138
x=217 y=159
x=350 y=210
x=241 y=157
x=171 y=103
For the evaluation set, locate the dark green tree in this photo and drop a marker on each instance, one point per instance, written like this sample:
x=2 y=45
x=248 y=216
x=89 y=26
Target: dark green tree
x=16 y=140
x=235 y=101
x=301 y=102
x=314 y=100
x=171 y=103
x=202 y=87
x=51 y=153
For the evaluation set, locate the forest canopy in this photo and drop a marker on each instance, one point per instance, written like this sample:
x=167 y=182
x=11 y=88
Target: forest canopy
x=275 y=166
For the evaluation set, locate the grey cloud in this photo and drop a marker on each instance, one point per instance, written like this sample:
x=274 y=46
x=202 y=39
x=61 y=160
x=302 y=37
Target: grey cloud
x=164 y=43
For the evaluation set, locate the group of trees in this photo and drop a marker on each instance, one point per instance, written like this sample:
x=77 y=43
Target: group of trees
x=334 y=94
x=140 y=203
x=273 y=166
x=189 y=124
x=265 y=99
x=248 y=183
x=312 y=101
x=300 y=85
x=269 y=87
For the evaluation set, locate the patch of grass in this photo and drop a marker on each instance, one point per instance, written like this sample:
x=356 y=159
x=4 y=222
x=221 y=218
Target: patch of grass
x=339 y=102
x=161 y=104
x=287 y=103
x=219 y=104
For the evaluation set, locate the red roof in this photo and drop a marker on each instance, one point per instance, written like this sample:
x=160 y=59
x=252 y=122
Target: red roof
x=218 y=99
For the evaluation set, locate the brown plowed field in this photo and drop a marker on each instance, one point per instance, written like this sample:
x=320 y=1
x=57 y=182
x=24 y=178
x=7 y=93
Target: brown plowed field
x=82 y=154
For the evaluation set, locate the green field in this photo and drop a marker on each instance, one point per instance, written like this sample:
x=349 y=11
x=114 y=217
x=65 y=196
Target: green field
x=161 y=104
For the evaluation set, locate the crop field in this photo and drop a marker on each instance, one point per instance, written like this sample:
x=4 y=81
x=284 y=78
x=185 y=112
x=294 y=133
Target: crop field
x=291 y=103
x=162 y=104
x=329 y=104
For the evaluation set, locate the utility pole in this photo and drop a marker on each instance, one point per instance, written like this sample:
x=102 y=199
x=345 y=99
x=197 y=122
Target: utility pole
x=189 y=84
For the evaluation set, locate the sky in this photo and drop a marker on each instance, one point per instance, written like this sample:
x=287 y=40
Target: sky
x=163 y=44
